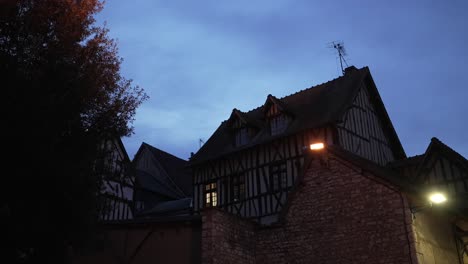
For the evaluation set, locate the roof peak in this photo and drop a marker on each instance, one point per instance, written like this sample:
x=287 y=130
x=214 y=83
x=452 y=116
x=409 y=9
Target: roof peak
x=350 y=69
x=162 y=151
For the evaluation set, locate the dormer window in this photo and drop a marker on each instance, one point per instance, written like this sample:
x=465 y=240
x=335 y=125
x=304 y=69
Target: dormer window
x=242 y=136
x=242 y=130
x=278 y=121
x=278 y=124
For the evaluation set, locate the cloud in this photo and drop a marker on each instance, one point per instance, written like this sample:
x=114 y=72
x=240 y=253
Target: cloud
x=199 y=60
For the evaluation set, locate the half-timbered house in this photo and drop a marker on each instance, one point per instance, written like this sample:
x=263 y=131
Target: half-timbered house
x=117 y=181
x=323 y=170
x=439 y=168
x=253 y=159
x=318 y=176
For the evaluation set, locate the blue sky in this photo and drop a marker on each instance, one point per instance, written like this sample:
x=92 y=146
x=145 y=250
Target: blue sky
x=197 y=60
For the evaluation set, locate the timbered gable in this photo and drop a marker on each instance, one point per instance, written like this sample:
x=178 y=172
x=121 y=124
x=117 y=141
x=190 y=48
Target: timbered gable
x=444 y=170
x=113 y=168
x=361 y=130
x=439 y=169
x=365 y=128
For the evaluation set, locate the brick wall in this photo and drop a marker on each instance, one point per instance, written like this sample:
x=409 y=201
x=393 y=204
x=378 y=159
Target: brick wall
x=338 y=214
x=226 y=238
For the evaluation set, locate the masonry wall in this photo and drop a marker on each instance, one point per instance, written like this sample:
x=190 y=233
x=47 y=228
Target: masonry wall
x=226 y=238
x=434 y=237
x=338 y=214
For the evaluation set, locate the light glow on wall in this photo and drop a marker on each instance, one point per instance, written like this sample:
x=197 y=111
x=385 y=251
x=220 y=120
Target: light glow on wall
x=317 y=146
x=437 y=198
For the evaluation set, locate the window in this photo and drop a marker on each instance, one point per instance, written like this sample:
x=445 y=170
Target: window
x=242 y=136
x=139 y=206
x=238 y=188
x=211 y=197
x=278 y=124
x=278 y=177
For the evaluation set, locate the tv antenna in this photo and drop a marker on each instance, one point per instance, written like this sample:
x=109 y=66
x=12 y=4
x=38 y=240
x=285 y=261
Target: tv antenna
x=340 y=49
x=200 y=142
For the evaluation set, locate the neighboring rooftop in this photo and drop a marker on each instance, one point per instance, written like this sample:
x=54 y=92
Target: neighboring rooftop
x=180 y=180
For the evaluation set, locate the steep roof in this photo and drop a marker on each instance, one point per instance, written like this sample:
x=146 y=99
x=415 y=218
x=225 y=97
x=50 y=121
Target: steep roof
x=439 y=146
x=436 y=146
x=314 y=107
x=176 y=168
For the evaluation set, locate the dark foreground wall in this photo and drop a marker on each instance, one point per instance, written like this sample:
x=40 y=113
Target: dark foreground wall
x=148 y=241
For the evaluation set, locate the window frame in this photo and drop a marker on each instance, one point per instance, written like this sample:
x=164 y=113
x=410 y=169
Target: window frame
x=278 y=176
x=210 y=191
x=238 y=188
x=241 y=136
x=278 y=124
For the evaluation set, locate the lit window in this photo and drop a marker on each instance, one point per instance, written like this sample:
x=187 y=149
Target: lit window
x=211 y=197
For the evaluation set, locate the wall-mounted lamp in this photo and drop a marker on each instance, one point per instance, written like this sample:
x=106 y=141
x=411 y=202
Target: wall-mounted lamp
x=316 y=151
x=434 y=198
x=317 y=146
x=437 y=198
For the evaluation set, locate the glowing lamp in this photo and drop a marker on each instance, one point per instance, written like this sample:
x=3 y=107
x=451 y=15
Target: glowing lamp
x=434 y=198
x=437 y=198
x=317 y=146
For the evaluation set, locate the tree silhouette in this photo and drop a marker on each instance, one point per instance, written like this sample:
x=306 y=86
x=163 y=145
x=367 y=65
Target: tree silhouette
x=60 y=75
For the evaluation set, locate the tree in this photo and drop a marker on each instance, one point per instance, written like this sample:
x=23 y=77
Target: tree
x=63 y=91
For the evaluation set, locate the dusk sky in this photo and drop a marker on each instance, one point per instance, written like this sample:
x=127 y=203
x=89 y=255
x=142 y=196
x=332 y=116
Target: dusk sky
x=197 y=60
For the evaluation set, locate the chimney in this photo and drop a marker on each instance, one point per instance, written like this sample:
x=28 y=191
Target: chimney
x=350 y=70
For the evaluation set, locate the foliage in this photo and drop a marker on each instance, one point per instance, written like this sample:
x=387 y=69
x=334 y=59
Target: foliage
x=63 y=91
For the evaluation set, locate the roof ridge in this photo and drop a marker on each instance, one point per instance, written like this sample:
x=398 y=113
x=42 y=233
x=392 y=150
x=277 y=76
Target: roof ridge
x=289 y=95
x=300 y=91
x=308 y=89
x=164 y=152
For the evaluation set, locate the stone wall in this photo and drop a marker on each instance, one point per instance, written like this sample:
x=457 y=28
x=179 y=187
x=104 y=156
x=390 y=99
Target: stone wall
x=338 y=214
x=226 y=238
x=434 y=237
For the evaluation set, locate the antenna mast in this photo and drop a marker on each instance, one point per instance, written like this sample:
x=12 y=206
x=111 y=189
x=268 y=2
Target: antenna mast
x=200 y=142
x=339 y=47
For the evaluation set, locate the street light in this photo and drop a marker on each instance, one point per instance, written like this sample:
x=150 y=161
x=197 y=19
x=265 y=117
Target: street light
x=434 y=198
x=437 y=198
